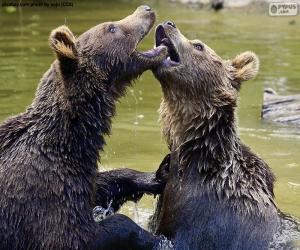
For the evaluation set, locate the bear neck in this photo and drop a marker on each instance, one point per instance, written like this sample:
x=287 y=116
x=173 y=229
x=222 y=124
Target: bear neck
x=196 y=126
x=205 y=149
x=71 y=116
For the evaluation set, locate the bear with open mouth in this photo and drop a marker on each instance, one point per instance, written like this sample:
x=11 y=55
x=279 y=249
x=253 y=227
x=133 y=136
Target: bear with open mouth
x=48 y=154
x=219 y=194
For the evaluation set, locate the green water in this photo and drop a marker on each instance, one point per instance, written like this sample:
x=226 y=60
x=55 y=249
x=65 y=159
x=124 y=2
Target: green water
x=136 y=141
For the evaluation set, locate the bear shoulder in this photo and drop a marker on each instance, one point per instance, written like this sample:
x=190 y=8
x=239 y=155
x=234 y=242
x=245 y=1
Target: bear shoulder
x=261 y=171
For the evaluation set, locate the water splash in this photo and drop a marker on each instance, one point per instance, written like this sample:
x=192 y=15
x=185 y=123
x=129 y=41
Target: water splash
x=165 y=244
x=288 y=235
x=139 y=214
x=100 y=213
x=136 y=214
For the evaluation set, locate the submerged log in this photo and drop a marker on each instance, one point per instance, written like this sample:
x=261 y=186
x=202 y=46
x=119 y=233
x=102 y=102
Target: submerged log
x=281 y=109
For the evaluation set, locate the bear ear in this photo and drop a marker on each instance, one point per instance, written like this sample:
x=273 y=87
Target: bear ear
x=245 y=66
x=62 y=41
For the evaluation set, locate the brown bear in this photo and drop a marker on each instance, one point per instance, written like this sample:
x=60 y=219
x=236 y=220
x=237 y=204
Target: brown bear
x=49 y=153
x=219 y=194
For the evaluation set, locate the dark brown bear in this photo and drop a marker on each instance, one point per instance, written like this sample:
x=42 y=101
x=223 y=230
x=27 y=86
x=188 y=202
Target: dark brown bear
x=219 y=194
x=48 y=154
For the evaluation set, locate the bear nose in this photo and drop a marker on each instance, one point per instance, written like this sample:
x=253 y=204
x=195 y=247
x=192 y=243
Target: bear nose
x=146 y=7
x=170 y=23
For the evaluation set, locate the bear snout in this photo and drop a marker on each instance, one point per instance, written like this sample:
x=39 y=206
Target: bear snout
x=170 y=23
x=145 y=8
x=146 y=11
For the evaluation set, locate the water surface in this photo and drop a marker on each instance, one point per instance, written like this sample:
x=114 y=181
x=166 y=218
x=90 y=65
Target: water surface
x=136 y=141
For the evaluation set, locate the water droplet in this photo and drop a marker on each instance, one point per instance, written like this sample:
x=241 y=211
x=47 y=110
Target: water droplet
x=165 y=244
x=100 y=213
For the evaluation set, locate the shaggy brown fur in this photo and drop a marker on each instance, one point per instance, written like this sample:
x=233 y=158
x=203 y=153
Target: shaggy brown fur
x=49 y=153
x=219 y=194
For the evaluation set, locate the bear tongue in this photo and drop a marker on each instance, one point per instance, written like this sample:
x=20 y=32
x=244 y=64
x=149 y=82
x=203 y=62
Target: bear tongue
x=167 y=42
x=169 y=63
x=153 y=52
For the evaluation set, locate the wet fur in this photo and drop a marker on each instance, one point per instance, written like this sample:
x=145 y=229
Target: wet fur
x=115 y=187
x=219 y=194
x=49 y=153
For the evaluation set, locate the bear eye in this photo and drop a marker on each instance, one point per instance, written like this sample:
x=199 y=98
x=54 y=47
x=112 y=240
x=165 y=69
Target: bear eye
x=198 y=46
x=112 y=28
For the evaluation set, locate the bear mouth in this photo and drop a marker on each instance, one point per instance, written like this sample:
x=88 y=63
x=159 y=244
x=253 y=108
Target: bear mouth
x=155 y=52
x=161 y=38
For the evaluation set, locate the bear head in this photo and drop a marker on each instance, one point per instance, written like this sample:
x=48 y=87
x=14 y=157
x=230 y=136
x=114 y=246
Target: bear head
x=107 y=52
x=195 y=71
x=196 y=82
